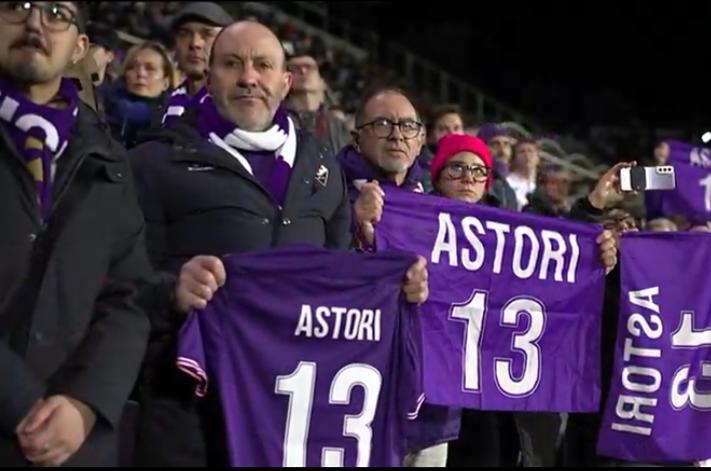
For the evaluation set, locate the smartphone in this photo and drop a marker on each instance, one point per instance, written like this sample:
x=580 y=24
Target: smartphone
x=647 y=178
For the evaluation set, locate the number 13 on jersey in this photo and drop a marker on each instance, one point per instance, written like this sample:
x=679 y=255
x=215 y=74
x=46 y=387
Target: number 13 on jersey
x=524 y=344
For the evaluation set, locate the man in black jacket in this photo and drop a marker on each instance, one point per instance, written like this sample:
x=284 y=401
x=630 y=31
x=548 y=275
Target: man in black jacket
x=231 y=175
x=71 y=250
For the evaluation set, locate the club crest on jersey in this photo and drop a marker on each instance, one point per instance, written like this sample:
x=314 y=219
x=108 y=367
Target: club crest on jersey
x=322 y=175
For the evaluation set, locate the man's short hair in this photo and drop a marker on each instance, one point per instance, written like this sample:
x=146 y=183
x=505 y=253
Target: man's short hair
x=443 y=110
x=525 y=140
x=372 y=93
x=548 y=169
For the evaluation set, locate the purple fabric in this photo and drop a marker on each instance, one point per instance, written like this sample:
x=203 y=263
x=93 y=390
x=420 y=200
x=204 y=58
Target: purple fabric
x=179 y=102
x=356 y=167
x=435 y=424
x=297 y=339
x=692 y=196
x=269 y=169
x=40 y=133
x=507 y=326
x=649 y=416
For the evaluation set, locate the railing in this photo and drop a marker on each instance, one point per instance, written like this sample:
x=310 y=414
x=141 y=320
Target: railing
x=434 y=84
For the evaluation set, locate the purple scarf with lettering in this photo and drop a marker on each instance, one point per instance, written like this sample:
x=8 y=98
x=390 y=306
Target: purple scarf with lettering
x=180 y=101
x=40 y=133
x=268 y=155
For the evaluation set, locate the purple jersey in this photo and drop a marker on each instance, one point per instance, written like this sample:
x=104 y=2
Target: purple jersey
x=512 y=321
x=659 y=406
x=315 y=356
x=180 y=101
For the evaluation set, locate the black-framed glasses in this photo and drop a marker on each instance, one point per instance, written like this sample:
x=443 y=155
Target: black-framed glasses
x=383 y=127
x=456 y=171
x=55 y=16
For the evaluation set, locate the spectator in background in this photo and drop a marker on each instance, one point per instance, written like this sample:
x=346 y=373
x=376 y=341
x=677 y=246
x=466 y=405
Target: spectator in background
x=103 y=42
x=524 y=168
x=551 y=196
x=620 y=221
x=445 y=119
x=306 y=103
x=195 y=28
x=661 y=225
x=137 y=101
x=500 y=142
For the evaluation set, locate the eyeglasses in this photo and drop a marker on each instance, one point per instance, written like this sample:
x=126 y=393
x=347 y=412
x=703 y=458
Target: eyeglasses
x=383 y=127
x=456 y=171
x=57 y=17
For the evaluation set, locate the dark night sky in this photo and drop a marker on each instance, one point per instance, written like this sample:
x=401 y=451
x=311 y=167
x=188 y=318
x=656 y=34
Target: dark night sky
x=567 y=62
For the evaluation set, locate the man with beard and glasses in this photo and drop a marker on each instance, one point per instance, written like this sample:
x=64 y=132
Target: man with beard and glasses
x=72 y=252
x=231 y=175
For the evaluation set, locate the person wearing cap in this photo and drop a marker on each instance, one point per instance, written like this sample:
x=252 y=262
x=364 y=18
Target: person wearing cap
x=306 y=103
x=462 y=169
x=103 y=43
x=195 y=28
x=72 y=336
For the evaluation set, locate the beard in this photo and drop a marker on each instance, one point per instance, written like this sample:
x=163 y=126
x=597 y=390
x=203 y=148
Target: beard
x=392 y=165
x=29 y=72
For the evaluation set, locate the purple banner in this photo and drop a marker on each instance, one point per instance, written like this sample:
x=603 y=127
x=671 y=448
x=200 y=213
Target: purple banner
x=659 y=407
x=692 y=196
x=513 y=317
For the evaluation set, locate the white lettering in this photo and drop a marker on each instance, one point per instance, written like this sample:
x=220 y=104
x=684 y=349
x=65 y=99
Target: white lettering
x=643 y=298
x=519 y=233
x=446 y=240
x=500 y=229
x=552 y=255
x=476 y=244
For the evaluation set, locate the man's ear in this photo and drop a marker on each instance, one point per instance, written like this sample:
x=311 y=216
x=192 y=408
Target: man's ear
x=81 y=48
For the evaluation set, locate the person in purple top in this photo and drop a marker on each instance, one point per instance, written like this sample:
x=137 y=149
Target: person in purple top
x=316 y=357
x=195 y=28
x=463 y=169
x=232 y=175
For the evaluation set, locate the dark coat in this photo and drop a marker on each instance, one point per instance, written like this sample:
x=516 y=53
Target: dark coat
x=198 y=200
x=69 y=321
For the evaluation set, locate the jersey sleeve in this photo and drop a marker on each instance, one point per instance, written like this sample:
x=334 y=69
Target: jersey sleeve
x=191 y=353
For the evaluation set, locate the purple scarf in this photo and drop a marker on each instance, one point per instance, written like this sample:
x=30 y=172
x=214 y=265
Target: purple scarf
x=180 y=101
x=356 y=168
x=40 y=133
x=268 y=156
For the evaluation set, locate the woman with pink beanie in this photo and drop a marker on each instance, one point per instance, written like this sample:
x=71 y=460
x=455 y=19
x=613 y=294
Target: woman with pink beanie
x=461 y=168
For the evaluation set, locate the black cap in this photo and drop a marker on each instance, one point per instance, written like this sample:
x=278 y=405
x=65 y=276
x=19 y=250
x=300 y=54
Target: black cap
x=203 y=12
x=103 y=35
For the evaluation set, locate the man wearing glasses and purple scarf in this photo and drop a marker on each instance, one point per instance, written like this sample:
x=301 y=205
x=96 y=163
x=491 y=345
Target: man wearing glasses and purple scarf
x=71 y=251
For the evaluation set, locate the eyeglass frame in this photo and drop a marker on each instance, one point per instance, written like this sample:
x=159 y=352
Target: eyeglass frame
x=44 y=9
x=392 y=127
x=468 y=169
